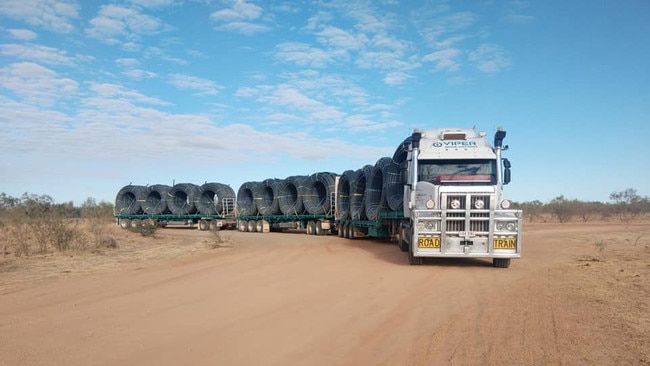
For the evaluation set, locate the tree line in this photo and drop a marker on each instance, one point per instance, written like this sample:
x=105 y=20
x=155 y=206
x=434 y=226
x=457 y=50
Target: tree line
x=625 y=206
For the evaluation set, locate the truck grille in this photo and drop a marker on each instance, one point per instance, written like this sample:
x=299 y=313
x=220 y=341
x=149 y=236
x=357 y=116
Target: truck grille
x=467 y=217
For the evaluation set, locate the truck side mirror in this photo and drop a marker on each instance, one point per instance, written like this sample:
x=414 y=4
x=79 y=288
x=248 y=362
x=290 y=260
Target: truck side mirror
x=506 y=171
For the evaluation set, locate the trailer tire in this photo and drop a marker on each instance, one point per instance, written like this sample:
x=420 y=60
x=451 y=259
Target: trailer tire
x=250 y=226
x=203 y=225
x=136 y=223
x=125 y=223
x=214 y=226
x=339 y=228
x=241 y=225
x=501 y=262
x=311 y=228
x=318 y=228
x=349 y=231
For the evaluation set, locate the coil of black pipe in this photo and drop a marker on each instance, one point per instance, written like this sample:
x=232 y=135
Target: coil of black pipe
x=182 y=198
x=155 y=202
x=375 y=196
x=317 y=198
x=129 y=199
x=343 y=194
x=211 y=200
x=289 y=197
x=265 y=197
x=357 y=193
x=245 y=199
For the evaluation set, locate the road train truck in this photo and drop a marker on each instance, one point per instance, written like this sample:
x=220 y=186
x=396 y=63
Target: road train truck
x=453 y=204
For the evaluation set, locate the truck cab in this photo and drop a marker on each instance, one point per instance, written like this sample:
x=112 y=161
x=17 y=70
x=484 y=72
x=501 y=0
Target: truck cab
x=454 y=204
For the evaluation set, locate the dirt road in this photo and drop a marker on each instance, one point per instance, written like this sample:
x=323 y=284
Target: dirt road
x=579 y=296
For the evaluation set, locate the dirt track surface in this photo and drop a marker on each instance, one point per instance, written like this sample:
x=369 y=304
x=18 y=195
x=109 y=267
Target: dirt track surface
x=579 y=296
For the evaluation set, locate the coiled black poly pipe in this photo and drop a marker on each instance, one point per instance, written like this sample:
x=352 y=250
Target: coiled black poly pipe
x=289 y=197
x=357 y=193
x=182 y=198
x=155 y=202
x=318 y=197
x=265 y=196
x=375 y=196
x=211 y=200
x=343 y=194
x=129 y=199
x=245 y=199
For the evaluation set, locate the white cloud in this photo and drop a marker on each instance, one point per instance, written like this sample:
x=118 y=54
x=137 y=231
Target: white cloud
x=35 y=84
x=23 y=34
x=239 y=18
x=240 y=10
x=489 y=58
x=118 y=24
x=303 y=55
x=445 y=59
x=54 y=15
x=188 y=82
x=36 y=53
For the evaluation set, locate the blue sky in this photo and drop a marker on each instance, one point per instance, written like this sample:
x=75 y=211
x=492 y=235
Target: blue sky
x=95 y=95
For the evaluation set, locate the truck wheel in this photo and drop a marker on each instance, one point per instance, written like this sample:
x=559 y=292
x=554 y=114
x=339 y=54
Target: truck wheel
x=318 y=228
x=135 y=223
x=125 y=223
x=413 y=260
x=501 y=262
x=340 y=230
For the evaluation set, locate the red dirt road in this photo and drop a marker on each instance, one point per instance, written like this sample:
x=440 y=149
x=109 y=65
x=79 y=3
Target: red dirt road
x=292 y=299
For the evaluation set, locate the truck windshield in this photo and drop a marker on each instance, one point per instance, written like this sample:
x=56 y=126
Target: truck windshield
x=458 y=172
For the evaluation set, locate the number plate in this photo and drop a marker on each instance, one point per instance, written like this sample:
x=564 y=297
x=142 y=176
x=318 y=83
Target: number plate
x=509 y=243
x=428 y=242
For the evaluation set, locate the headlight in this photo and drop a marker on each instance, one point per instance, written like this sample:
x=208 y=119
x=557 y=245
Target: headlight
x=420 y=226
x=511 y=226
x=429 y=225
x=479 y=204
x=505 y=204
x=455 y=204
x=501 y=225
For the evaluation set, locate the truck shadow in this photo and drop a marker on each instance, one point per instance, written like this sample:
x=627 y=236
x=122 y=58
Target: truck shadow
x=388 y=251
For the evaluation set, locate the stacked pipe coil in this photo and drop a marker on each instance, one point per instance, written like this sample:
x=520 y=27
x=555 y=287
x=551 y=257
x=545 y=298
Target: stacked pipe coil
x=182 y=198
x=318 y=196
x=343 y=194
x=266 y=197
x=245 y=198
x=213 y=198
x=155 y=202
x=290 y=192
x=357 y=193
x=129 y=199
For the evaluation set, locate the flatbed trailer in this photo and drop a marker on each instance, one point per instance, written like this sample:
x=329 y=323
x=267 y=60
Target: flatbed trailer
x=313 y=224
x=386 y=226
x=202 y=222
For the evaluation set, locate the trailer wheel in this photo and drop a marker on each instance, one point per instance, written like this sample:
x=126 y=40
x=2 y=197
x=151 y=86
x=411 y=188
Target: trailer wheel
x=203 y=225
x=214 y=226
x=349 y=231
x=250 y=226
x=311 y=228
x=318 y=228
x=501 y=262
x=413 y=260
x=125 y=223
x=135 y=223
x=340 y=230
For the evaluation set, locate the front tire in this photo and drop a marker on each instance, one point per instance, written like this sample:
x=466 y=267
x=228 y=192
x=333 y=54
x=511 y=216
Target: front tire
x=413 y=260
x=501 y=262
